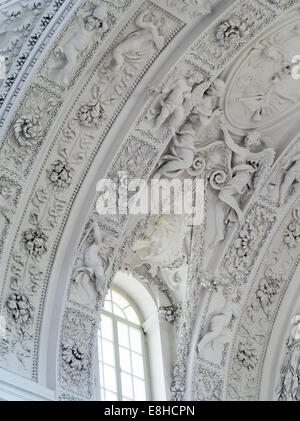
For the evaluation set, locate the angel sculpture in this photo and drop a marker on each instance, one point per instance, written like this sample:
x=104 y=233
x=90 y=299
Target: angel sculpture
x=136 y=43
x=295 y=334
x=240 y=180
x=289 y=389
x=220 y=322
x=292 y=175
x=68 y=54
x=94 y=264
x=183 y=144
x=174 y=102
x=6 y=203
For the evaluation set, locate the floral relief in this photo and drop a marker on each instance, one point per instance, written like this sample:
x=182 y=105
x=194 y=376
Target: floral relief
x=60 y=175
x=246 y=356
x=27 y=130
x=35 y=242
x=90 y=115
x=241 y=255
x=243 y=243
x=170 y=313
x=19 y=308
x=230 y=31
x=74 y=355
x=292 y=234
x=267 y=292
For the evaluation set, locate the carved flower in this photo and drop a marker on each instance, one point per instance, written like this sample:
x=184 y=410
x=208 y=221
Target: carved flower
x=60 y=175
x=27 y=130
x=90 y=115
x=19 y=308
x=243 y=243
x=177 y=392
x=267 y=292
x=230 y=31
x=247 y=357
x=292 y=235
x=74 y=355
x=170 y=313
x=35 y=242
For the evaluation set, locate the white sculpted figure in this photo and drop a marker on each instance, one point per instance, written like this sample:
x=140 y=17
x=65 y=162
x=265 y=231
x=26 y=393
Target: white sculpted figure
x=289 y=389
x=295 y=334
x=174 y=102
x=6 y=203
x=93 y=263
x=240 y=180
x=292 y=175
x=220 y=322
x=163 y=248
x=136 y=43
x=68 y=54
x=183 y=144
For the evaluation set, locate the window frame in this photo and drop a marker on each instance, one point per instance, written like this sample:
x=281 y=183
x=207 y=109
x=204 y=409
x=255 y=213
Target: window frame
x=145 y=354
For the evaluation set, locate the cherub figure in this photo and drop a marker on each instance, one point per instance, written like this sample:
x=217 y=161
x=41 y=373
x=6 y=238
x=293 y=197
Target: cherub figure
x=68 y=54
x=6 y=203
x=93 y=262
x=240 y=181
x=292 y=175
x=174 y=101
x=289 y=389
x=220 y=322
x=183 y=144
x=136 y=43
x=295 y=334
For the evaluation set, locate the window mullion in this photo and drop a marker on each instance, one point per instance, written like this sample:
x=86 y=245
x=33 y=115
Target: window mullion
x=146 y=361
x=117 y=358
x=131 y=365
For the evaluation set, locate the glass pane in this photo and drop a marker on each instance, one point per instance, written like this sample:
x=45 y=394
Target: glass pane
x=119 y=299
x=110 y=378
x=125 y=359
x=106 y=327
x=108 y=352
x=118 y=311
x=123 y=334
x=131 y=315
x=100 y=348
x=139 y=389
x=127 y=389
x=108 y=306
x=126 y=399
x=136 y=340
x=109 y=396
x=101 y=380
x=137 y=365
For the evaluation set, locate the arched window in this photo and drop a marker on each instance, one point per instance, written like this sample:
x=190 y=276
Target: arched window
x=122 y=351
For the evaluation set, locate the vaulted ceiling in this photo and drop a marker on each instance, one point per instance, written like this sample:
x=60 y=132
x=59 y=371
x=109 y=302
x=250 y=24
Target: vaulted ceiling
x=98 y=87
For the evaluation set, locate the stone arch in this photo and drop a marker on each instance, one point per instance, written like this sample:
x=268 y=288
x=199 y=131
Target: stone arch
x=207 y=54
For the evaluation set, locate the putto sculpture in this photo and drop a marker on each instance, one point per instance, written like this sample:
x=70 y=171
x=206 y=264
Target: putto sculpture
x=68 y=54
x=134 y=46
x=290 y=177
x=93 y=262
x=183 y=144
x=240 y=180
